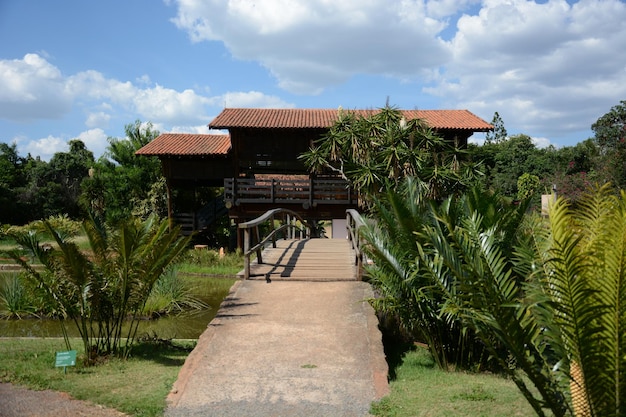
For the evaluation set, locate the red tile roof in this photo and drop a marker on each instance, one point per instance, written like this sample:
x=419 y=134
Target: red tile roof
x=187 y=144
x=324 y=118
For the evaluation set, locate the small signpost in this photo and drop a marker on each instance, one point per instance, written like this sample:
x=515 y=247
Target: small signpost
x=65 y=359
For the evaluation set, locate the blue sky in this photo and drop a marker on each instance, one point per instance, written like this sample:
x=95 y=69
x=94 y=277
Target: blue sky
x=85 y=68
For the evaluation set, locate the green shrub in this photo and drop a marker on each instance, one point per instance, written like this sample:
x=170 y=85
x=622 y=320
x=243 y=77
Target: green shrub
x=15 y=301
x=170 y=295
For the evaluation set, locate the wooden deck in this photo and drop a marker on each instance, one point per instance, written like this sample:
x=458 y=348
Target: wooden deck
x=309 y=192
x=307 y=260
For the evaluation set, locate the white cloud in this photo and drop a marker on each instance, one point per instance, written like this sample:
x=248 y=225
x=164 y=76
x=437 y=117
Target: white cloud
x=445 y=8
x=253 y=99
x=44 y=147
x=31 y=88
x=98 y=119
x=311 y=44
x=169 y=105
x=95 y=140
x=541 y=142
x=200 y=129
x=548 y=68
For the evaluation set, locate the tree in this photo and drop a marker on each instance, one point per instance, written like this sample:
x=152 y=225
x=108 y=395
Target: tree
x=610 y=129
x=67 y=170
x=377 y=152
x=527 y=186
x=104 y=292
x=475 y=256
x=582 y=298
x=53 y=188
x=499 y=133
x=12 y=178
x=120 y=185
x=610 y=136
x=504 y=162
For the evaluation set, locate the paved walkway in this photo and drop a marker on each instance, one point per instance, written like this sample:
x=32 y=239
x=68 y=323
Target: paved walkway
x=286 y=348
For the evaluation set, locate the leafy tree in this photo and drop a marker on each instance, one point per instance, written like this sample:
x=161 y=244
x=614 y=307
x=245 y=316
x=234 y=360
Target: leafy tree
x=610 y=129
x=582 y=298
x=67 y=170
x=474 y=257
x=527 y=186
x=121 y=182
x=102 y=291
x=53 y=188
x=377 y=152
x=610 y=136
x=504 y=162
x=11 y=180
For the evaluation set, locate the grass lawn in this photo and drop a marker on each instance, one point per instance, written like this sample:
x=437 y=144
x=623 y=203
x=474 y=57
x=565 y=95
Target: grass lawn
x=421 y=389
x=137 y=386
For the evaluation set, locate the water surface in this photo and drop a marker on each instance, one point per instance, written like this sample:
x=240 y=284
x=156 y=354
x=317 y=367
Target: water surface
x=188 y=325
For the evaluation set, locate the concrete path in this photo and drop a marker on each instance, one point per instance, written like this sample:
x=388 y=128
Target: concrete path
x=286 y=348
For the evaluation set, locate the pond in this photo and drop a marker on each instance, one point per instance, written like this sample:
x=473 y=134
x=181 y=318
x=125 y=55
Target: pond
x=188 y=325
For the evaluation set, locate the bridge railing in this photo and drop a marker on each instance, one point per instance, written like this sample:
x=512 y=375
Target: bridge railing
x=354 y=222
x=288 y=222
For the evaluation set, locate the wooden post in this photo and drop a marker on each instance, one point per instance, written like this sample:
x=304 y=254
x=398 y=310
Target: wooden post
x=239 y=233
x=259 y=257
x=246 y=258
x=272 y=230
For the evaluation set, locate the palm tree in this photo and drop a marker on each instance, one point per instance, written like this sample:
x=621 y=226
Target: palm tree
x=379 y=151
x=476 y=252
x=557 y=302
x=103 y=292
x=584 y=283
x=400 y=243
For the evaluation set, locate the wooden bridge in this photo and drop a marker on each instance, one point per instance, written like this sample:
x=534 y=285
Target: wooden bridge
x=301 y=346
x=303 y=258
x=307 y=259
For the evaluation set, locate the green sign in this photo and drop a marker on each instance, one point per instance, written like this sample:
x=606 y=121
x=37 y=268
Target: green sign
x=67 y=358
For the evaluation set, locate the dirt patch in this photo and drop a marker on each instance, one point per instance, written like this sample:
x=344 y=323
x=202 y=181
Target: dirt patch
x=16 y=401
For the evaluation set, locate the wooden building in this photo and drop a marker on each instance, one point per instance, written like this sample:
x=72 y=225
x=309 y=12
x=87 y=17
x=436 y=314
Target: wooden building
x=257 y=162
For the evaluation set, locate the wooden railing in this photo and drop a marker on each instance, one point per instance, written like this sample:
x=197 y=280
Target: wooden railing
x=354 y=222
x=252 y=230
x=308 y=192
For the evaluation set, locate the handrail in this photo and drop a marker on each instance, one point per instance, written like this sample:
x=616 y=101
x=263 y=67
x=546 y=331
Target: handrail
x=288 y=216
x=354 y=222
